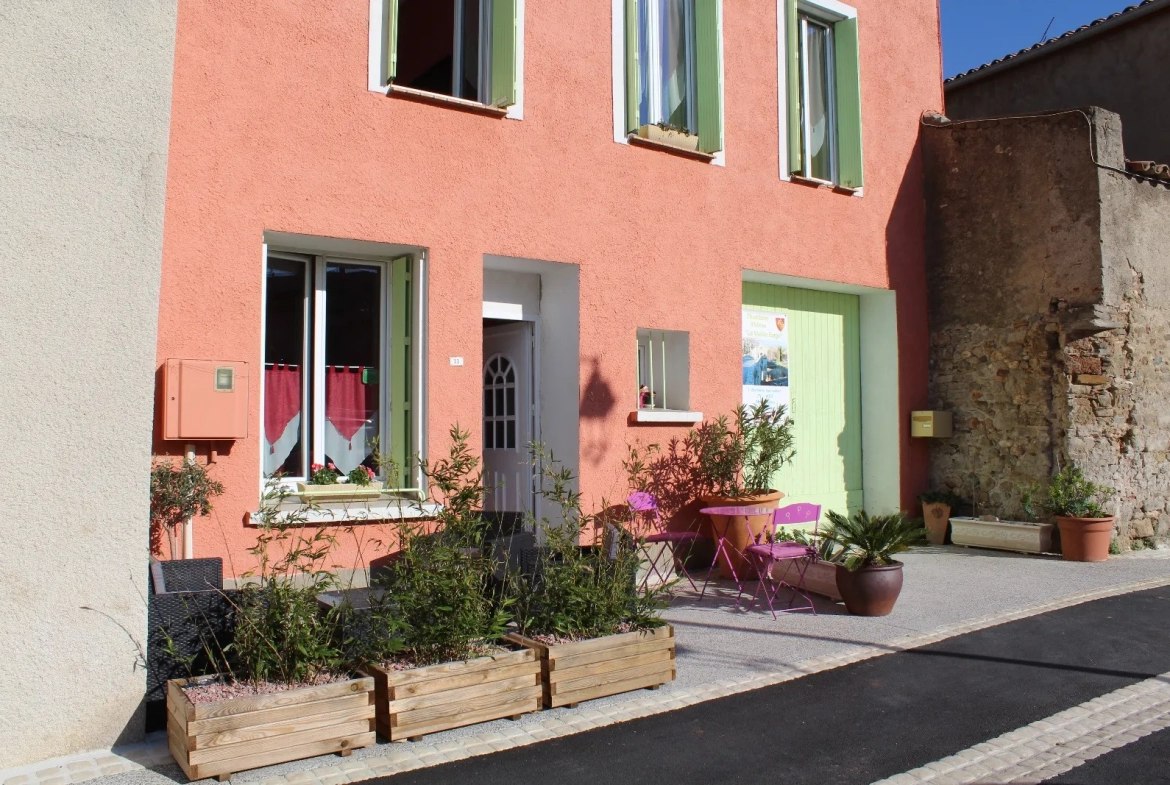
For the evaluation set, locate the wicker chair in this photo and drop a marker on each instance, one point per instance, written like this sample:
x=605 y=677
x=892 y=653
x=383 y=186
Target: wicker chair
x=188 y=615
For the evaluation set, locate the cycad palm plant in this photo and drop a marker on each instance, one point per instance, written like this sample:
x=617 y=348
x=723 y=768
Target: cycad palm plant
x=872 y=540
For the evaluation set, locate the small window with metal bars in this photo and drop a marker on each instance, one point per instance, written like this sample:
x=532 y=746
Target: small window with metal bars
x=663 y=370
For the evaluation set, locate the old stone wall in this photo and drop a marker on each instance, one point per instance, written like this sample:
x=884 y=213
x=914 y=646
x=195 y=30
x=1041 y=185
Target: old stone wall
x=1050 y=318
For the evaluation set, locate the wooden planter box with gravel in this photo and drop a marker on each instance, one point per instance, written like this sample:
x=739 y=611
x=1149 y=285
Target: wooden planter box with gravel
x=584 y=670
x=413 y=703
x=219 y=738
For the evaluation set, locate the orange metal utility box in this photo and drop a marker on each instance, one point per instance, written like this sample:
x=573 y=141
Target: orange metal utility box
x=205 y=400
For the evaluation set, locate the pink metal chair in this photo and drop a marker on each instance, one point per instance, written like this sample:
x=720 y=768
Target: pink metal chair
x=764 y=556
x=649 y=528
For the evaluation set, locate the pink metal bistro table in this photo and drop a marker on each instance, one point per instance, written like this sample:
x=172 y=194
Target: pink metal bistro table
x=729 y=525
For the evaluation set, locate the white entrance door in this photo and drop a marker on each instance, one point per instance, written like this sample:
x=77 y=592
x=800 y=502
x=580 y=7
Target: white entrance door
x=507 y=418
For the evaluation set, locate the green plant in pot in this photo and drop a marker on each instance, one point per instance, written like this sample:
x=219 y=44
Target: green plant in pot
x=178 y=494
x=936 y=511
x=1086 y=528
x=868 y=576
x=734 y=463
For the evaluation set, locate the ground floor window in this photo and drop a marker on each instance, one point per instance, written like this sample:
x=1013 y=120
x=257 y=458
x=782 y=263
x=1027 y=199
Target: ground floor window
x=337 y=365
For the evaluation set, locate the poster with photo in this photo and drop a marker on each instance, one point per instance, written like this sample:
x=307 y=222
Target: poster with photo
x=765 y=358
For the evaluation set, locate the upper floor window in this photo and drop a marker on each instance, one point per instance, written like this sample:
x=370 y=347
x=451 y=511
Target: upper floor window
x=674 y=69
x=467 y=49
x=823 y=92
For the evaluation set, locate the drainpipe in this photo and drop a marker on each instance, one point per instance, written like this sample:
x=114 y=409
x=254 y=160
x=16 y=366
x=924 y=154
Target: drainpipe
x=189 y=524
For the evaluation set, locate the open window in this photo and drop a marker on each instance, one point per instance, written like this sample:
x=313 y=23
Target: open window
x=337 y=366
x=823 y=93
x=674 y=70
x=465 y=49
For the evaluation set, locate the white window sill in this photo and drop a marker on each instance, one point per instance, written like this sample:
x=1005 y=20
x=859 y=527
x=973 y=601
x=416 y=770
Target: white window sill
x=666 y=147
x=438 y=99
x=666 y=416
x=816 y=182
x=356 y=512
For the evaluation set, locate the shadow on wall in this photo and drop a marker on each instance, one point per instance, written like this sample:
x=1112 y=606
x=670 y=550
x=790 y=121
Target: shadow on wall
x=906 y=268
x=597 y=403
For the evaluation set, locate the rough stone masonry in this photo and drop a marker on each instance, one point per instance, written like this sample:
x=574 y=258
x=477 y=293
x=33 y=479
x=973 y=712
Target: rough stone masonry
x=1050 y=314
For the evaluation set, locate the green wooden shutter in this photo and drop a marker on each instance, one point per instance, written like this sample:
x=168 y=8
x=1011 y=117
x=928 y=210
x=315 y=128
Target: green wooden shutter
x=795 y=135
x=503 y=53
x=849 y=162
x=401 y=373
x=709 y=73
x=632 y=119
x=391 y=40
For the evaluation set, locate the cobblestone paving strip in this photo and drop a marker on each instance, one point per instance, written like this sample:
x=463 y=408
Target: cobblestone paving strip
x=407 y=756
x=1049 y=747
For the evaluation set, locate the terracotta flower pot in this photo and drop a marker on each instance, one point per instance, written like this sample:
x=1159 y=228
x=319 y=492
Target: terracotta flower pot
x=937 y=515
x=736 y=531
x=1085 y=539
x=870 y=591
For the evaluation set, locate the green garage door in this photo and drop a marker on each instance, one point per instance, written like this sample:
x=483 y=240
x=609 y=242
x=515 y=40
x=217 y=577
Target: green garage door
x=824 y=374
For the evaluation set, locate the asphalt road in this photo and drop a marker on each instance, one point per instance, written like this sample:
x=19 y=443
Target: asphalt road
x=877 y=718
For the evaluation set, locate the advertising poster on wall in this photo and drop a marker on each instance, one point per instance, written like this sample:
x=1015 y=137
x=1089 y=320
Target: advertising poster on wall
x=765 y=358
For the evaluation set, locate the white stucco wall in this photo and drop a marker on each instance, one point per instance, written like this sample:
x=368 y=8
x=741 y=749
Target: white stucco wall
x=84 y=119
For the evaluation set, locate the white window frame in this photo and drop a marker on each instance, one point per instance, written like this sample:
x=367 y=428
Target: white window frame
x=618 y=49
x=829 y=12
x=831 y=109
x=664 y=366
x=378 y=81
x=315 y=337
x=654 y=92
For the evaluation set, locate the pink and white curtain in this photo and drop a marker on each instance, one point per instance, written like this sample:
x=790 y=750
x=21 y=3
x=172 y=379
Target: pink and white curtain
x=351 y=416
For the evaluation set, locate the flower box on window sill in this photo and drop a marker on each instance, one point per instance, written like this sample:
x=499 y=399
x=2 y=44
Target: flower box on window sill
x=681 y=144
x=339 y=492
x=665 y=416
x=668 y=136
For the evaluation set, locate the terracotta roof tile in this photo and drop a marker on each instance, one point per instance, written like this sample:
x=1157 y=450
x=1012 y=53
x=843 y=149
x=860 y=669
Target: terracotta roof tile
x=1149 y=169
x=1065 y=37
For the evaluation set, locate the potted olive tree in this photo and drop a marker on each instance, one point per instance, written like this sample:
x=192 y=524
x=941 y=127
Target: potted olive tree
x=868 y=576
x=178 y=494
x=1086 y=529
x=735 y=463
x=596 y=630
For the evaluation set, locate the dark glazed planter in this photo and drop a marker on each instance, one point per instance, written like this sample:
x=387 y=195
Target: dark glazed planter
x=870 y=591
x=1085 y=539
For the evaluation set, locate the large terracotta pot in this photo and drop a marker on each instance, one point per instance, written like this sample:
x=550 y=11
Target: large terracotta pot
x=1085 y=539
x=736 y=530
x=937 y=515
x=870 y=591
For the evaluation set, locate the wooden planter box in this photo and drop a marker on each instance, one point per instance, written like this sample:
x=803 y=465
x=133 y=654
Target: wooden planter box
x=820 y=577
x=1018 y=536
x=575 y=672
x=413 y=703
x=219 y=739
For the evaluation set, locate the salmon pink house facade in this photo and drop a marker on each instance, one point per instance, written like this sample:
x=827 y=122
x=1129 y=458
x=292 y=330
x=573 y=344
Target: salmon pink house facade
x=588 y=224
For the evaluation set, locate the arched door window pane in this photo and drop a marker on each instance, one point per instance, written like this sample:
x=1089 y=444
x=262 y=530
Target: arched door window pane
x=499 y=404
